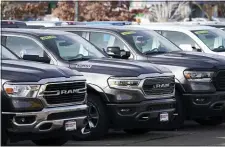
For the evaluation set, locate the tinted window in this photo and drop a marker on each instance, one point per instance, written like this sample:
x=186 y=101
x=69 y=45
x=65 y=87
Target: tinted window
x=179 y=38
x=6 y=54
x=21 y=45
x=70 y=47
x=214 y=38
x=148 y=42
x=104 y=40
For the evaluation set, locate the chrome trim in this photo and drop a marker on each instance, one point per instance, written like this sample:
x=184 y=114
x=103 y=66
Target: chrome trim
x=157 y=96
x=43 y=87
x=41 y=118
x=142 y=78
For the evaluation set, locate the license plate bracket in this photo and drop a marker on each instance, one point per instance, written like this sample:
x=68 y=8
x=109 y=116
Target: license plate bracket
x=164 y=117
x=70 y=125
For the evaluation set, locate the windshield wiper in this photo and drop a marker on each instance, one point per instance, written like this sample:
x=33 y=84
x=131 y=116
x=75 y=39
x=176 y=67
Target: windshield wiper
x=219 y=49
x=83 y=58
x=152 y=53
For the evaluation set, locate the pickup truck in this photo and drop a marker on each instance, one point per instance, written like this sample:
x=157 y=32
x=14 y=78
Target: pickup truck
x=42 y=103
x=126 y=95
x=200 y=77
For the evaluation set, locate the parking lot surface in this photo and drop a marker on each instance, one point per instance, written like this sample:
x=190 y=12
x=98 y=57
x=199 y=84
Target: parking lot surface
x=191 y=134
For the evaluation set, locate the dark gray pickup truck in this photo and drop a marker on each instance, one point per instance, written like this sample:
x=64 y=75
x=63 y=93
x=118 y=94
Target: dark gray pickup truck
x=39 y=102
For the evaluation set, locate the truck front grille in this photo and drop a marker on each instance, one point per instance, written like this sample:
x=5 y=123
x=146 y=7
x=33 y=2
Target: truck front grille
x=60 y=93
x=159 y=86
x=220 y=80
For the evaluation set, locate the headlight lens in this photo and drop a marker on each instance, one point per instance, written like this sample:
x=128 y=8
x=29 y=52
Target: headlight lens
x=123 y=83
x=26 y=91
x=201 y=76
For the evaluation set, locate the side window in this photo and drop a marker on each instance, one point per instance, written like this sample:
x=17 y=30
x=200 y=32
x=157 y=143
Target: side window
x=104 y=40
x=22 y=45
x=179 y=38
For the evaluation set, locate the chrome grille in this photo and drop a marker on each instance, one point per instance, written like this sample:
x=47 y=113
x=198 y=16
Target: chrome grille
x=159 y=86
x=61 y=93
x=220 y=80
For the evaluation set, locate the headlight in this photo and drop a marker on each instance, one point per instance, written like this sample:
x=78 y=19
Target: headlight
x=29 y=91
x=201 y=76
x=123 y=83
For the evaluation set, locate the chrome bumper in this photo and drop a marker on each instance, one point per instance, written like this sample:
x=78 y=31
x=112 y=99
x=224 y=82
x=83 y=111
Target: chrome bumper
x=41 y=119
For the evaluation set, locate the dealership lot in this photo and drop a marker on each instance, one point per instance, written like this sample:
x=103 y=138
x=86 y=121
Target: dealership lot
x=191 y=134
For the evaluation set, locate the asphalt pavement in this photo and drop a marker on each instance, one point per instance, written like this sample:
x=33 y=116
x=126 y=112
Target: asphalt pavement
x=191 y=135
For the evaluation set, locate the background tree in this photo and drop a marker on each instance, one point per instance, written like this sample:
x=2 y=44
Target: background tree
x=168 y=11
x=21 y=10
x=65 y=10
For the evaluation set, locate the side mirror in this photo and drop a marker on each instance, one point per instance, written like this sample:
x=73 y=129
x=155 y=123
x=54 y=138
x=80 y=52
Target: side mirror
x=114 y=52
x=125 y=54
x=197 y=49
x=186 y=47
x=32 y=55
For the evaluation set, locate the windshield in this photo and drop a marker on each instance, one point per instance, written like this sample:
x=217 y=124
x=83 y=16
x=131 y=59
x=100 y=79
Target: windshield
x=6 y=54
x=214 y=39
x=71 y=47
x=149 y=42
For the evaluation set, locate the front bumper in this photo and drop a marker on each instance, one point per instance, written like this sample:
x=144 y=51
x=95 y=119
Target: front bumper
x=204 y=105
x=140 y=115
x=47 y=120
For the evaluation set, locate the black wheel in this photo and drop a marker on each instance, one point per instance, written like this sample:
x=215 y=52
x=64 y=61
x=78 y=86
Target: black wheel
x=50 y=142
x=4 y=139
x=4 y=136
x=211 y=121
x=178 y=121
x=97 y=120
x=137 y=131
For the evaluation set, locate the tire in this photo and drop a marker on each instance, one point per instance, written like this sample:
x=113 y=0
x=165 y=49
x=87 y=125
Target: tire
x=4 y=139
x=136 y=131
x=4 y=136
x=95 y=129
x=50 y=142
x=178 y=121
x=212 y=121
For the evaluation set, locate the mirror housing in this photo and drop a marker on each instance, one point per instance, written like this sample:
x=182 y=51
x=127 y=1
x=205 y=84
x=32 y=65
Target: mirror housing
x=116 y=52
x=186 y=47
x=32 y=55
x=125 y=54
x=113 y=52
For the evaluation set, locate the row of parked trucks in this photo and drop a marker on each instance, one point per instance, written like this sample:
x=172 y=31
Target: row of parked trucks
x=81 y=81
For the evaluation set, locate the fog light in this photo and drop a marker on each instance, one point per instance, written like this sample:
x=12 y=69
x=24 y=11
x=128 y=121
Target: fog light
x=123 y=96
x=201 y=100
x=126 y=111
x=24 y=119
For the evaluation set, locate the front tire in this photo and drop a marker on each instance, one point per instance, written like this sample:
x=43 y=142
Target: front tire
x=137 y=131
x=50 y=142
x=212 y=121
x=97 y=122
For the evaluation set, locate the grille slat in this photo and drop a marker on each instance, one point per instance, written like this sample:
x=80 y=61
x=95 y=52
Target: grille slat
x=151 y=87
x=65 y=98
x=220 y=80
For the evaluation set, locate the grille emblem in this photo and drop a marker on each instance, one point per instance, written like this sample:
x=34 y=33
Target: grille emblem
x=161 y=86
x=70 y=91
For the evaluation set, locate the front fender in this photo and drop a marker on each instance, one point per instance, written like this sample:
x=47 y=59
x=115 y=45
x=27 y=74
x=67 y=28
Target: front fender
x=95 y=88
x=179 y=86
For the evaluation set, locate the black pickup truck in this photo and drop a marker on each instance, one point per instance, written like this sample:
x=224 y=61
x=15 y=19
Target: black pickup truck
x=39 y=102
x=200 y=77
x=128 y=95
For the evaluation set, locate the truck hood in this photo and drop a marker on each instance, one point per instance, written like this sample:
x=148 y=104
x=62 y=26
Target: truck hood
x=24 y=71
x=222 y=53
x=189 y=60
x=118 y=67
